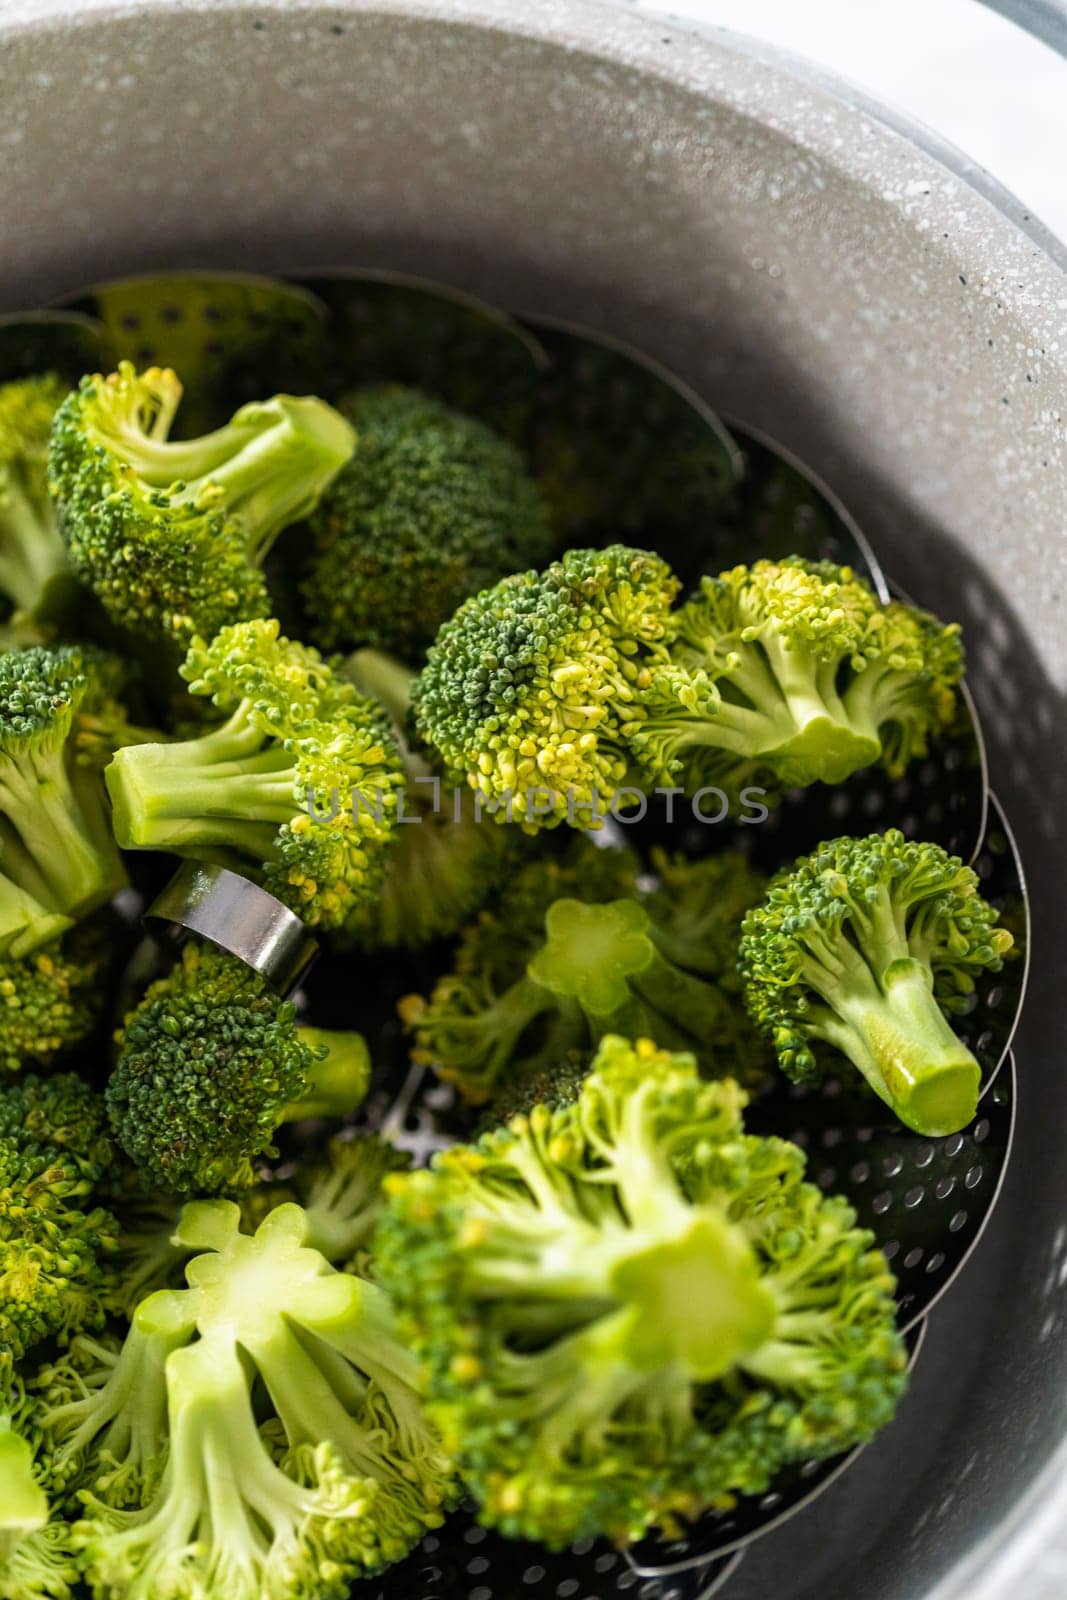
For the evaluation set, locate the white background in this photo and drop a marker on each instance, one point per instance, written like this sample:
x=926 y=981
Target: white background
x=975 y=78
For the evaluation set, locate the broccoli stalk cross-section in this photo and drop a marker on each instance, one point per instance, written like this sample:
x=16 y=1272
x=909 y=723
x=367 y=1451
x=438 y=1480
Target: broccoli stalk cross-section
x=629 y=1309
x=869 y=946
x=171 y=534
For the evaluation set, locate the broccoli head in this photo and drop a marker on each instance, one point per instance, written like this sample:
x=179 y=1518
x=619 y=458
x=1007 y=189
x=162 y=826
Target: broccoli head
x=628 y=1309
x=299 y=784
x=794 y=672
x=32 y=554
x=194 y=1485
x=210 y=1063
x=547 y=974
x=55 y=1241
x=531 y=692
x=52 y=1000
x=57 y=720
x=446 y=861
x=433 y=507
x=171 y=534
x=868 y=946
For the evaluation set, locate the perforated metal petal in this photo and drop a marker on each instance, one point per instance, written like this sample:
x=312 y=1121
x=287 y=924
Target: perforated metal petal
x=231 y=337
x=390 y=328
x=51 y=341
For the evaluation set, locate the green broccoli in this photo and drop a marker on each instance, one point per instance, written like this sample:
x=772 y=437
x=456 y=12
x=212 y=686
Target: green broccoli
x=32 y=554
x=210 y=1063
x=57 y=723
x=340 y=1190
x=446 y=861
x=794 y=672
x=55 y=1241
x=868 y=946
x=36 y=1555
x=259 y=1433
x=544 y=976
x=531 y=692
x=171 y=535
x=432 y=507
x=52 y=1000
x=299 y=784
x=629 y=1310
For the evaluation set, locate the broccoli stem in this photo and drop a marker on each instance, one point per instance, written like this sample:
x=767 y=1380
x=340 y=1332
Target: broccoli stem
x=222 y=791
x=57 y=842
x=338 y=1081
x=25 y=1504
x=32 y=552
x=25 y=925
x=374 y=672
x=898 y=1036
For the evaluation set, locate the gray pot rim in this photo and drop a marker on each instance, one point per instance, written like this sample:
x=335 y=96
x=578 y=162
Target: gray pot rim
x=992 y=230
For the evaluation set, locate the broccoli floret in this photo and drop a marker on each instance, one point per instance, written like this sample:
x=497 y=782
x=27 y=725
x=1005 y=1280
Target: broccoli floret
x=446 y=860
x=56 y=842
x=339 y=1189
x=171 y=534
x=55 y=1240
x=868 y=946
x=32 y=554
x=629 y=1310
x=794 y=672
x=326 y=1473
x=530 y=993
x=432 y=507
x=210 y=1063
x=531 y=691
x=36 y=1555
x=52 y=1000
x=299 y=784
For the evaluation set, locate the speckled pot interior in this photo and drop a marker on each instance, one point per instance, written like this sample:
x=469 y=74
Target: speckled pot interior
x=812 y=270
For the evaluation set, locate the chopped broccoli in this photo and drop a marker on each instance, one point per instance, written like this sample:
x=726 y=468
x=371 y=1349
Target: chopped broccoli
x=52 y=1000
x=446 y=861
x=32 y=554
x=56 y=842
x=194 y=1485
x=210 y=1064
x=543 y=977
x=793 y=671
x=171 y=534
x=530 y=693
x=868 y=946
x=432 y=507
x=36 y=1555
x=55 y=1240
x=299 y=784
x=340 y=1190
x=629 y=1310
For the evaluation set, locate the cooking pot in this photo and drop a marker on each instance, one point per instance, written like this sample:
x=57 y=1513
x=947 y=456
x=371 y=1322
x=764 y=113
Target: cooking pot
x=814 y=268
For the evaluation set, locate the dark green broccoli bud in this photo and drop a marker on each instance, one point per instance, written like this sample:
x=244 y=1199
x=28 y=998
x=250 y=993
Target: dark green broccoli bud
x=629 y=1310
x=446 y=860
x=868 y=946
x=56 y=842
x=531 y=692
x=794 y=672
x=52 y=1000
x=32 y=554
x=54 y=1239
x=171 y=534
x=298 y=1456
x=300 y=784
x=210 y=1064
x=591 y=967
x=433 y=507
x=36 y=1555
